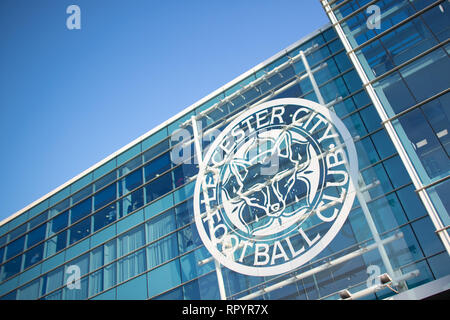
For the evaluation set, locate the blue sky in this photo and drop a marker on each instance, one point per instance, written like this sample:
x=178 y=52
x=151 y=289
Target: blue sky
x=69 y=98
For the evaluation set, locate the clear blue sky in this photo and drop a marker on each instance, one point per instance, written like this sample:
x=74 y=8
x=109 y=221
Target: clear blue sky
x=69 y=98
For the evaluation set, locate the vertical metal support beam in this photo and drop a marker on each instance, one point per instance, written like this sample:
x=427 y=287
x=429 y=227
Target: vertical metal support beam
x=198 y=151
x=361 y=199
x=423 y=195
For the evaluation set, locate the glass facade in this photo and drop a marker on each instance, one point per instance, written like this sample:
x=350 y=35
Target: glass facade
x=128 y=225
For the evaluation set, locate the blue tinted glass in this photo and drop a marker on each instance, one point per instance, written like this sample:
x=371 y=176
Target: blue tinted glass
x=80 y=210
x=175 y=294
x=158 y=187
x=80 y=230
x=132 y=265
x=162 y=250
x=130 y=182
x=2 y=252
x=129 y=166
x=397 y=172
x=131 y=202
x=161 y=225
x=56 y=243
x=15 y=247
x=164 y=278
x=188 y=238
x=82 y=194
x=110 y=177
x=157 y=166
x=183 y=172
x=36 y=235
x=11 y=268
x=34 y=255
x=104 y=217
x=38 y=220
x=185 y=213
x=17 y=232
x=60 y=207
x=131 y=240
x=105 y=196
x=428 y=239
x=59 y=222
x=383 y=144
x=127 y=155
x=154 y=151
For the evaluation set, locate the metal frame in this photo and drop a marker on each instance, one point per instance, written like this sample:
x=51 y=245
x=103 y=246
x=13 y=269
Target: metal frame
x=435 y=218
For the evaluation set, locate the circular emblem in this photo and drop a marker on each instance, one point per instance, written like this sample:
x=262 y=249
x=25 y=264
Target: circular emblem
x=275 y=187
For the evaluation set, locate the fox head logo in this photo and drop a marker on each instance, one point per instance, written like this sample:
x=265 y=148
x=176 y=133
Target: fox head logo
x=268 y=181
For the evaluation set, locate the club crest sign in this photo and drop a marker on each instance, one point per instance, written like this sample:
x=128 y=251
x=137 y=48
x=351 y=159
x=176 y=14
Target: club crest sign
x=275 y=187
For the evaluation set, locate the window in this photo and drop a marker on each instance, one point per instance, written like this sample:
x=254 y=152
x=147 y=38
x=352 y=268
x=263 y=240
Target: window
x=105 y=196
x=33 y=255
x=80 y=210
x=131 y=240
x=36 y=235
x=157 y=166
x=53 y=280
x=129 y=166
x=162 y=250
x=161 y=225
x=104 y=217
x=15 y=247
x=159 y=187
x=130 y=182
x=56 y=243
x=58 y=223
x=132 y=265
x=11 y=268
x=110 y=177
x=131 y=202
x=80 y=230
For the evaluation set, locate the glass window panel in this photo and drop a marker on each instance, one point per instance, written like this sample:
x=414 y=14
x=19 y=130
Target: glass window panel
x=130 y=182
x=438 y=20
x=105 y=217
x=157 y=166
x=159 y=187
x=60 y=207
x=131 y=240
x=428 y=75
x=110 y=275
x=96 y=282
x=58 y=223
x=128 y=154
x=15 y=247
x=77 y=294
x=129 y=166
x=36 y=235
x=38 y=220
x=439 y=264
x=80 y=230
x=185 y=213
x=164 y=278
x=131 y=203
x=426 y=143
x=383 y=144
x=105 y=196
x=428 y=239
x=183 y=172
x=53 y=280
x=30 y=291
x=17 y=232
x=56 y=243
x=371 y=118
x=2 y=252
x=34 y=255
x=82 y=194
x=132 y=265
x=110 y=177
x=397 y=172
x=161 y=225
x=188 y=239
x=80 y=210
x=162 y=250
x=11 y=268
x=154 y=151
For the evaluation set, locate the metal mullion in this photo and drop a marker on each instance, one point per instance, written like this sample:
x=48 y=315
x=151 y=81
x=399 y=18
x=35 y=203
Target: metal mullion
x=421 y=55
x=420 y=104
x=380 y=35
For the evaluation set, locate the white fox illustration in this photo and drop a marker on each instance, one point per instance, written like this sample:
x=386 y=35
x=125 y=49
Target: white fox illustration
x=267 y=181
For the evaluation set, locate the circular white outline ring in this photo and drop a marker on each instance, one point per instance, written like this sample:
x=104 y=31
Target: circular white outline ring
x=334 y=229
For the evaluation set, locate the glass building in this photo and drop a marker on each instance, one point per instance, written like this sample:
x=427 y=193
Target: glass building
x=127 y=223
